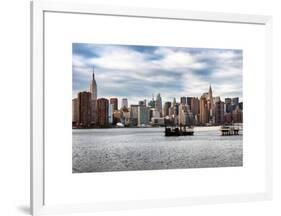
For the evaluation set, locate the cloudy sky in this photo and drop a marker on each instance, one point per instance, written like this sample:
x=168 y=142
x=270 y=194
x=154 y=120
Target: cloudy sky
x=138 y=72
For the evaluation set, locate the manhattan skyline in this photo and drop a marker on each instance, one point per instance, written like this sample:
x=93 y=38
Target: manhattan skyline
x=138 y=72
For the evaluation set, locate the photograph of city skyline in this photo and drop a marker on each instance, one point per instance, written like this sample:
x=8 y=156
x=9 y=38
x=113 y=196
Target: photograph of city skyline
x=155 y=107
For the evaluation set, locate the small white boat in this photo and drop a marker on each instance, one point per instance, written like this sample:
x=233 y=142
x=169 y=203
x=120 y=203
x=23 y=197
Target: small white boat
x=120 y=125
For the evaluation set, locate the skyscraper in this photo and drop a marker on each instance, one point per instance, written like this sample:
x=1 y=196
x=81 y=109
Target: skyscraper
x=204 y=113
x=219 y=112
x=174 y=102
x=167 y=105
x=158 y=104
x=84 y=109
x=210 y=93
x=110 y=114
x=93 y=90
x=241 y=105
x=114 y=101
x=124 y=103
x=234 y=103
x=141 y=103
x=74 y=111
x=210 y=104
x=237 y=115
x=134 y=114
x=183 y=100
x=216 y=99
x=145 y=102
x=102 y=112
x=195 y=103
x=93 y=111
x=151 y=103
x=182 y=114
x=143 y=115
x=227 y=105
x=177 y=108
x=188 y=101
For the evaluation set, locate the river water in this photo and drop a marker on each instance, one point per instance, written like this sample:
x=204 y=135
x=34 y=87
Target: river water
x=124 y=149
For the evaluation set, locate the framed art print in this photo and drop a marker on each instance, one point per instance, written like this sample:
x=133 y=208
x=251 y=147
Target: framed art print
x=139 y=108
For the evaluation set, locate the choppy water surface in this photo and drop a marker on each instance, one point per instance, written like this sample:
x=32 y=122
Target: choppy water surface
x=121 y=149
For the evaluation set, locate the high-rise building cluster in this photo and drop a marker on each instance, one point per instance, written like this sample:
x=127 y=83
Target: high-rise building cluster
x=89 y=111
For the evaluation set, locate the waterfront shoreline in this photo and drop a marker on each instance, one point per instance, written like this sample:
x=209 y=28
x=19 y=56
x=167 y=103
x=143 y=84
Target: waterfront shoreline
x=201 y=126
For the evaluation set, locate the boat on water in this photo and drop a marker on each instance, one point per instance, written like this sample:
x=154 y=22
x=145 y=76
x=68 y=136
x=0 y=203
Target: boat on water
x=172 y=129
x=178 y=131
x=229 y=130
x=120 y=125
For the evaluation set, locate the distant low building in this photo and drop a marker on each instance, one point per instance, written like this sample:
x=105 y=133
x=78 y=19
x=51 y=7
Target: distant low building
x=157 y=121
x=117 y=116
x=156 y=113
x=227 y=118
x=126 y=118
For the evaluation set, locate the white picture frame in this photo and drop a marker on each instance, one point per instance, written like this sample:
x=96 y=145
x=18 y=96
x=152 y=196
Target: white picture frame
x=38 y=9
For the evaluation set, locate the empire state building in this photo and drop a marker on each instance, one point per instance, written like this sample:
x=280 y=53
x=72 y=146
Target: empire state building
x=93 y=87
x=93 y=90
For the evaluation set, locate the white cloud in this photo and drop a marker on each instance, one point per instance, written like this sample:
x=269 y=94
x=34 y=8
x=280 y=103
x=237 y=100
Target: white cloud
x=119 y=59
x=173 y=72
x=175 y=59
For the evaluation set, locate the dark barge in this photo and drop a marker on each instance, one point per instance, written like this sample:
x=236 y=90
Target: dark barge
x=229 y=130
x=178 y=130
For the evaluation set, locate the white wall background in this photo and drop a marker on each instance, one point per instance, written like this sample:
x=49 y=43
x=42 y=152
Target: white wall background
x=14 y=105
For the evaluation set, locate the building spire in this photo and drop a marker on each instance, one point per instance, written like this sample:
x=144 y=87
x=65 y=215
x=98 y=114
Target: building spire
x=210 y=90
x=93 y=86
x=174 y=102
x=93 y=73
